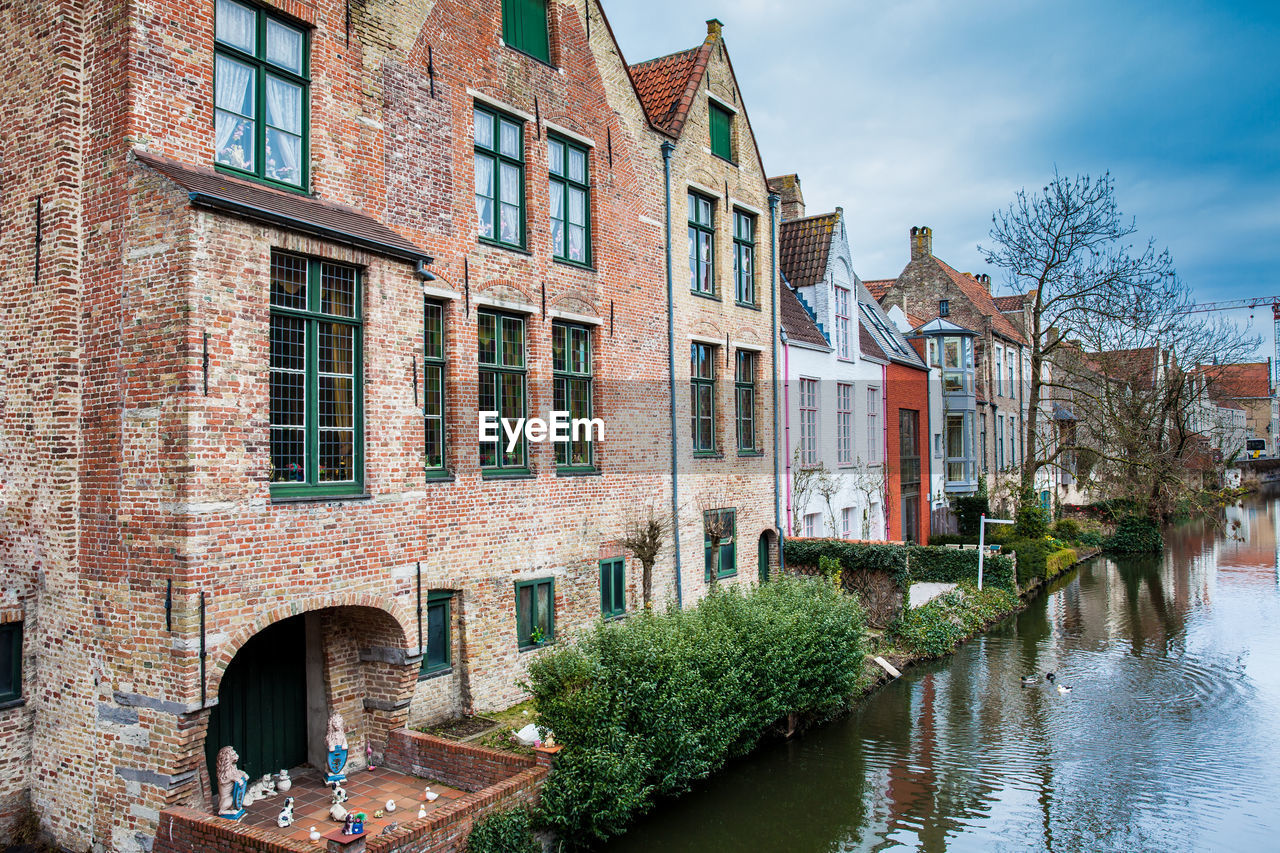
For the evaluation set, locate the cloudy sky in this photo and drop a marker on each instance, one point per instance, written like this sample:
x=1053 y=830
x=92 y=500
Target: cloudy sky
x=934 y=112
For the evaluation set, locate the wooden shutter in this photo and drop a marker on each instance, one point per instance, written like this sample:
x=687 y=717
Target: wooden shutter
x=524 y=27
x=721 y=132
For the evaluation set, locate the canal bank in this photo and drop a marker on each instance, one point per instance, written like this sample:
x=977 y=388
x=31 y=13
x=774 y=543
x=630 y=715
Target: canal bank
x=1167 y=741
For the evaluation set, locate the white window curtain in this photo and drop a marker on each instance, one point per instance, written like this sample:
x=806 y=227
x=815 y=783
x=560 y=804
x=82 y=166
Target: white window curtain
x=234 y=97
x=284 y=112
x=235 y=25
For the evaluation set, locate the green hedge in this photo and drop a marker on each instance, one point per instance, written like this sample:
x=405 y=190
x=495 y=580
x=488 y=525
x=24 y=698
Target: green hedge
x=504 y=832
x=969 y=510
x=906 y=564
x=936 y=628
x=950 y=565
x=888 y=559
x=647 y=706
x=1059 y=561
x=1135 y=534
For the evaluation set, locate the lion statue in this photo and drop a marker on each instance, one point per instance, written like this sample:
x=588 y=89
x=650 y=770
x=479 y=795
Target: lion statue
x=337 y=735
x=230 y=777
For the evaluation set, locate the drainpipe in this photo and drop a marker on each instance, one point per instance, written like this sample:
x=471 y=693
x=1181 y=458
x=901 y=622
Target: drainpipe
x=786 y=419
x=667 y=150
x=773 y=343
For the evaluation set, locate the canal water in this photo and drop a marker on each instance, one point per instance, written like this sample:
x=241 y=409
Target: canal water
x=1169 y=739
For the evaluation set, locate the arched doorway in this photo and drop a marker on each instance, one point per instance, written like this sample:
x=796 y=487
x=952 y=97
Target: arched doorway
x=762 y=554
x=262 y=702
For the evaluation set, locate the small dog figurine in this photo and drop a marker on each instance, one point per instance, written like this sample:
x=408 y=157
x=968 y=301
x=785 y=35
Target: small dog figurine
x=285 y=818
x=339 y=794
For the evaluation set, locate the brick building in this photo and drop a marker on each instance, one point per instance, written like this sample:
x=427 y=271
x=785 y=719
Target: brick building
x=263 y=264
x=721 y=223
x=928 y=288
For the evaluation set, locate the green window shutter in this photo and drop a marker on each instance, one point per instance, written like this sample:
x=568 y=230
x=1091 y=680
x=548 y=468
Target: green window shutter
x=721 y=132
x=524 y=27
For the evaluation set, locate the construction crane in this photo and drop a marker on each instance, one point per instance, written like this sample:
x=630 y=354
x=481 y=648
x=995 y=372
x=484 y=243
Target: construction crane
x=1251 y=304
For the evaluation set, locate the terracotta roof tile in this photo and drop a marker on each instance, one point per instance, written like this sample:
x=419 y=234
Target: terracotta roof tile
x=248 y=200
x=976 y=293
x=803 y=247
x=797 y=321
x=1009 y=303
x=1239 y=381
x=879 y=287
x=666 y=86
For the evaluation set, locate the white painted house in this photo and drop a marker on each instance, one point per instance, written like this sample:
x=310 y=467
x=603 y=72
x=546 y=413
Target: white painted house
x=834 y=399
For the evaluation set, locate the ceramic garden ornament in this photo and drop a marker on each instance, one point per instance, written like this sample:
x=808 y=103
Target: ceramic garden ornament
x=284 y=782
x=285 y=818
x=231 y=784
x=336 y=746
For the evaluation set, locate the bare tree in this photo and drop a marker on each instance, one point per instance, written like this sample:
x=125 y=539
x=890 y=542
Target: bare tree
x=644 y=536
x=1139 y=376
x=717 y=524
x=868 y=482
x=1068 y=248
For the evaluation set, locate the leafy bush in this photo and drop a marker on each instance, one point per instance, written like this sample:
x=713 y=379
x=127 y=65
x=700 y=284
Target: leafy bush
x=1032 y=556
x=1067 y=529
x=906 y=564
x=1091 y=538
x=1135 y=534
x=936 y=628
x=510 y=831
x=647 y=706
x=969 y=510
x=1059 y=561
x=1030 y=521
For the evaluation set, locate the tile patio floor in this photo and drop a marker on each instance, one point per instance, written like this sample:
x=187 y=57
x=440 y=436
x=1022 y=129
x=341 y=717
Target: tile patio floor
x=368 y=791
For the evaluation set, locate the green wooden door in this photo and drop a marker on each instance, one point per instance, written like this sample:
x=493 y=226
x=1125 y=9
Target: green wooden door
x=262 y=702
x=763 y=557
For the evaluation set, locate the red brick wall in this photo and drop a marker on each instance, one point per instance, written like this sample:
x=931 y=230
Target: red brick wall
x=906 y=388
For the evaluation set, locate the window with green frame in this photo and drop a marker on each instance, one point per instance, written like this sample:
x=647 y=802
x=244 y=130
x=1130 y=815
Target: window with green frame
x=744 y=258
x=570 y=201
x=438 y=655
x=719 y=534
x=613 y=587
x=571 y=369
x=499 y=167
x=702 y=268
x=535 y=612
x=261 y=94
x=702 y=389
x=10 y=661
x=502 y=384
x=721 y=131
x=524 y=27
x=433 y=402
x=744 y=387
x=316 y=417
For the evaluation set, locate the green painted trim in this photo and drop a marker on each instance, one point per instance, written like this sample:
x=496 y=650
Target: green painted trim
x=434 y=599
x=499 y=158
x=617 y=571
x=565 y=183
x=533 y=600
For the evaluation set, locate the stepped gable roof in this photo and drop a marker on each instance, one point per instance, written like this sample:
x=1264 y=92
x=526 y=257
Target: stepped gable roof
x=798 y=322
x=879 y=287
x=803 y=248
x=667 y=85
x=293 y=211
x=981 y=298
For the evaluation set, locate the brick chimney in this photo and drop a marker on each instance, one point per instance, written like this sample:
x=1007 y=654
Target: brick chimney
x=788 y=189
x=714 y=27
x=921 y=242
x=984 y=280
